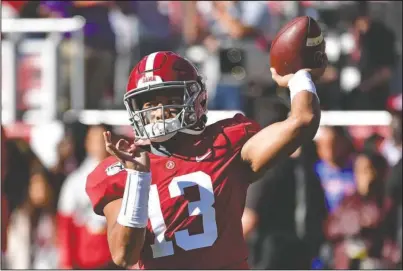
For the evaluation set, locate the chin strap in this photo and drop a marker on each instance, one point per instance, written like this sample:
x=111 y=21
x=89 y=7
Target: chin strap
x=160 y=150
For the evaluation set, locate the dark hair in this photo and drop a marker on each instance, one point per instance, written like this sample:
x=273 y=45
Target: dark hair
x=361 y=9
x=17 y=177
x=77 y=132
x=49 y=178
x=372 y=142
x=342 y=132
x=380 y=164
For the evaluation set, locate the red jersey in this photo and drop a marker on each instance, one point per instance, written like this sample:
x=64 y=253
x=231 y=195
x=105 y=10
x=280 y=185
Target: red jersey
x=196 y=199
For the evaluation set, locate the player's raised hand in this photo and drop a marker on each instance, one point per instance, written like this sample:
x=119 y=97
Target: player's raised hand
x=316 y=73
x=132 y=156
x=282 y=81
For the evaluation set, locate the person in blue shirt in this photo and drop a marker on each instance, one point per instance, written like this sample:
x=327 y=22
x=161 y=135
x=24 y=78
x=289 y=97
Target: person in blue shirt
x=335 y=165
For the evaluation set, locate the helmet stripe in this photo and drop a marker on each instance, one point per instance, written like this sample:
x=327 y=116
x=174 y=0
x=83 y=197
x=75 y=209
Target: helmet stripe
x=150 y=64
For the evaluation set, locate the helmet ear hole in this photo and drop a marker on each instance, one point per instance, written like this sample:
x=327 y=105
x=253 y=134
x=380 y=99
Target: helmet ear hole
x=190 y=117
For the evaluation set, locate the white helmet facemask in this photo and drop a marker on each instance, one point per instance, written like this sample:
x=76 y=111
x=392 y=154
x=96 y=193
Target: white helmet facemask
x=187 y=115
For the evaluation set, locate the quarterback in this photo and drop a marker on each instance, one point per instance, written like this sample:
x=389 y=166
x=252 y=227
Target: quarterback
x=174 y=198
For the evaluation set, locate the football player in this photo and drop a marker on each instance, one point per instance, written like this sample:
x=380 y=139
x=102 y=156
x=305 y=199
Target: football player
x=174 y=198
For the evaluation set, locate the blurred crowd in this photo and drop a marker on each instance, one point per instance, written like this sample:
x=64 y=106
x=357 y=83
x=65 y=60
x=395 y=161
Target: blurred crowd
x=229 y=41
x=333 y=204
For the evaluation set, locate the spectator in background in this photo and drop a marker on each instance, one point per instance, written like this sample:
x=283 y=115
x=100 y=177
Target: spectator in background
x=16 y=178
x=391 y=146
x=20 y=162
x=285 y=211
x=157 y=25
x=142 y=28
x=32 y=230
x=393 y=212
x=355 y=226
x=221 y=26
x=77 y=133
x=335 y=167
x=375 y=56
x=65 y=163
x=71 y=153
x=99 y=42
x=82 y=237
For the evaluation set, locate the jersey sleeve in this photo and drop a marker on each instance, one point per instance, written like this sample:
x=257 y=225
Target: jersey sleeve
x=251 y=127
x=234 y=133
x=106 y=183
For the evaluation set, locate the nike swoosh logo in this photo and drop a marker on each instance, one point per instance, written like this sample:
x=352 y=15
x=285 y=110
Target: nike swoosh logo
x=201 y=158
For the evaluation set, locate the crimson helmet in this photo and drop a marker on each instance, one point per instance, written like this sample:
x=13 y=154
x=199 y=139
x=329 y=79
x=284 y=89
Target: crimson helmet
x=166 y=74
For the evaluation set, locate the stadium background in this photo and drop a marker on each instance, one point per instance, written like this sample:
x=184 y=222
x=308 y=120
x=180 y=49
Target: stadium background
x=60 y=77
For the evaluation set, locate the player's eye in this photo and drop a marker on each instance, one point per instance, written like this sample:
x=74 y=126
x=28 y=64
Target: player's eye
x=146 y=105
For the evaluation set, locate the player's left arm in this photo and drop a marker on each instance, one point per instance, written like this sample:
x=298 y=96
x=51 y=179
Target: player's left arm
x=127 y=217
x=125 y=241
x=279 y=140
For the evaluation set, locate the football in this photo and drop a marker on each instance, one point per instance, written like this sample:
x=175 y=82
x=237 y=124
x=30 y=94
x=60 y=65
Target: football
x=299 y=44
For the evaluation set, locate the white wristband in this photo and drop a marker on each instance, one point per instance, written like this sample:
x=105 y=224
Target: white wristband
x=301 y=81
x=134 y=210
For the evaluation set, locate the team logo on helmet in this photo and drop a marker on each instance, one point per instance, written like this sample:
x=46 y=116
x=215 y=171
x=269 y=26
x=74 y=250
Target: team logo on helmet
x=149 y=80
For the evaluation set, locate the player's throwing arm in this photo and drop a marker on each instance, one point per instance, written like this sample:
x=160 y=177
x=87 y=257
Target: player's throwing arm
x=299 y=61
x=127 y=217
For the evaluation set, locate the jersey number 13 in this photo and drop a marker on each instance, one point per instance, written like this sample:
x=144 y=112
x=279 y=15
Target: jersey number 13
x=203 y=207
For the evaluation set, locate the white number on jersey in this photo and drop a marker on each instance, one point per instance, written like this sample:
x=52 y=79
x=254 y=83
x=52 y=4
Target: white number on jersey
x=203 y=207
